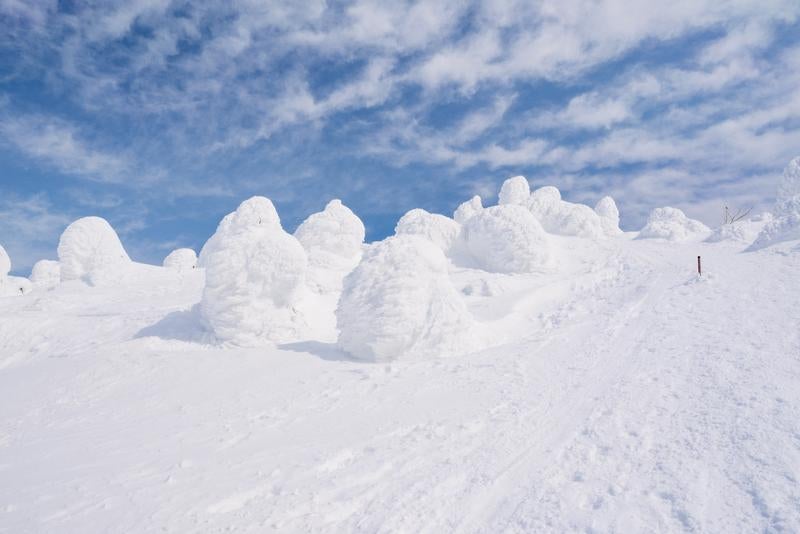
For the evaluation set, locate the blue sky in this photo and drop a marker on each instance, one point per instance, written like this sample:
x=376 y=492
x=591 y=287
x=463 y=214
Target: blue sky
x=161 y=116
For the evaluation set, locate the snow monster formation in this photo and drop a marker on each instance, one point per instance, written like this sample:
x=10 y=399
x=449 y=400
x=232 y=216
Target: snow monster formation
x=467 y=209
x=181 y=260
x=515 y=190
x=507 y=239
x=11 y=285
x=608 y=212
x=786 y=224
x=673 y=225
x=255 y=274
x=333 y=240
x=90 y=250
x=565 y=218
x=440 y=230
x=46 y=274
x=399 y=303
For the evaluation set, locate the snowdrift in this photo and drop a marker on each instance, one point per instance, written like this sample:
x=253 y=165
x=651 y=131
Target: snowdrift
x=255 y=275
x=399 y=303
x=507 y=239
x=467 y=209
x=46 y=274
x=565 y=218
x=333 y=240
x=440 y=230
x=181 y=260
x=673 y=225
x=786 y=224
x=90 y=250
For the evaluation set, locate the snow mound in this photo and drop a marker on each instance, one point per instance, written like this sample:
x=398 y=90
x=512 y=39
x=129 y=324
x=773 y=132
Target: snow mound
x=467 y=209
x=13 y=286
x=255 y=275
x=608 y=212
x=507 y=239
x=440 y=230
x=786 y=224
x=5 y=263
x=399 y=302
x=673 y=225
x=254 y=211
x=565 y=218
x=333 y=240
x=90 y=250
x=181 y=260
x=740 y=231
x=46 y=274
x=515 y=190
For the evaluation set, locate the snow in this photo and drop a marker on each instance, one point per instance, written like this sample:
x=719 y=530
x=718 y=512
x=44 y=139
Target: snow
x=90 y=250
x=607 y=209
x=785 y=226
x=5 y=263
x=467 y=209
x=673 y=225
x=564 y=218
x=181 y=260
x=255 y=277
x=333 y=240
x=507 y=239
x=440 y=230
x=399 y=303
x=618 y=392
x=46 y=274
x=741 y=231
x=515 y=190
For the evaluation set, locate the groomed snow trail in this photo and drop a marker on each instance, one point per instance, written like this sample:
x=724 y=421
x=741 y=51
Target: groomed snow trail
x=628 y=396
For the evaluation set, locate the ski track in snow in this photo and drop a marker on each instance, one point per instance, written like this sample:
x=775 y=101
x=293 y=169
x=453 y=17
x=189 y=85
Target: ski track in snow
x=624 y=395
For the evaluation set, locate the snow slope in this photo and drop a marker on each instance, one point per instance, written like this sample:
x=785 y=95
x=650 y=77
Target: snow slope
x=622 y=394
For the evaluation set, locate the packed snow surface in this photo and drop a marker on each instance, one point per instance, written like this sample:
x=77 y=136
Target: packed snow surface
x=255 y=277
x=673 y=225
x=440 y=230
x=615 y=391
x=507 y=239
x=399 y=302
x=90 y=250
x=181 y=260
x=467 y=209
x=515 y=190
x=46 y=274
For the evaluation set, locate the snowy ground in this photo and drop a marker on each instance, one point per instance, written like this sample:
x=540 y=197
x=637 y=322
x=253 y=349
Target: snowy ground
x=625 y=395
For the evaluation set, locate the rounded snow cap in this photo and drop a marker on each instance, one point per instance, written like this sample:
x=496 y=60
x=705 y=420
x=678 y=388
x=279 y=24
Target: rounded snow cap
x=565 y=218
x=399 y=302
x=467 y=209
x=46 y=273
x=90 y=250
x=254 y=274
x=181 y=259
x=5 y=263
x=789 y=188
x=254 y=212
x=515 y=190
x=334 y=231
x=440 y=230
x=507 y=239
x=607 y=209
x=673 y=225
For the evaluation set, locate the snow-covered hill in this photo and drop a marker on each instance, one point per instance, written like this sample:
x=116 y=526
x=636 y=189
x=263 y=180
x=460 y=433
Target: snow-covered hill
x=620 y=393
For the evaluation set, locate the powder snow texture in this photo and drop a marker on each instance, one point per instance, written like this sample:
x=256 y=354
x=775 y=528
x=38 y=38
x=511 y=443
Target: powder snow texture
x=399 y=303
x=607 y=209
x=740 y=231
x=507 y=239
x=515 y=190
x=673 y=225
x=786 y=224
x=90 y=250
x=181 y=260
x=46 y=274
x=253 y=211
x=5 y=263
x=255 y=274
x=333 y=240
x=565 y=218
x=440 y=230
x=467 y=209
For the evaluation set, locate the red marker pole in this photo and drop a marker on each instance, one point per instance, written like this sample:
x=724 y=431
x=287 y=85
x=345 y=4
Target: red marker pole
x=699 y=268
